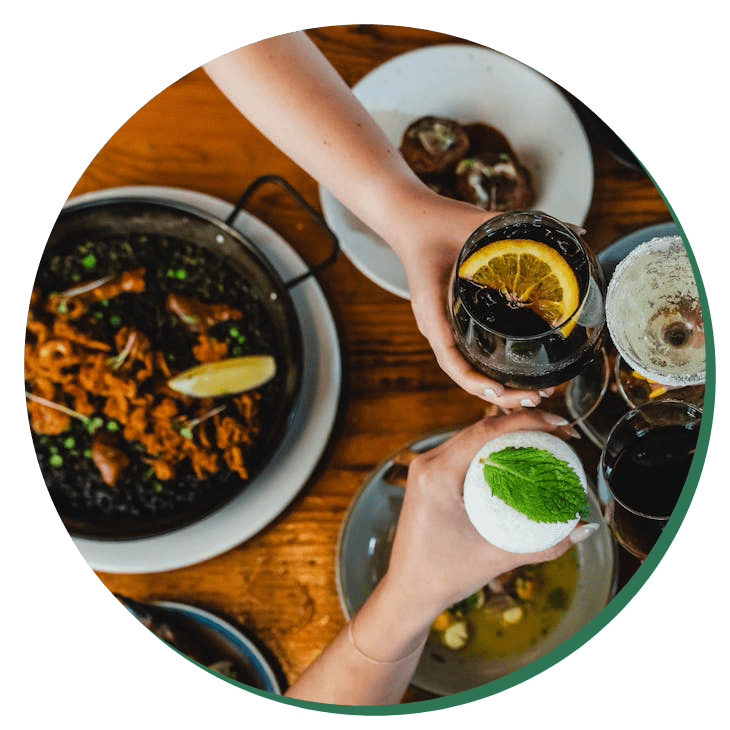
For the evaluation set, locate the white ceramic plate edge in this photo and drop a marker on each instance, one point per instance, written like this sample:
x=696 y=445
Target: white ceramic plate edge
x=298 y=455
x=370 y=254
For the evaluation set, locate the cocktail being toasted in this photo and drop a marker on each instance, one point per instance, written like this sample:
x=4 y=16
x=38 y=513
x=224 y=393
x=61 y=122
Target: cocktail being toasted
x=527 y=301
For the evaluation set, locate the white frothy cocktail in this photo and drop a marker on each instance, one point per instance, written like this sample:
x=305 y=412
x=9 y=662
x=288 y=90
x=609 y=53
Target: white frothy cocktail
x=498 y=522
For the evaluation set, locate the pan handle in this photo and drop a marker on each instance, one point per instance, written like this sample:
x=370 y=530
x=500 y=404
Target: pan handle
x=316 y=217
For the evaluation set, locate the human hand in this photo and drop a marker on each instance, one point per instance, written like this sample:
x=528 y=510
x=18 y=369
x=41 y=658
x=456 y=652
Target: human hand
x=428 y=237
x=288 y=90
x=438 y=558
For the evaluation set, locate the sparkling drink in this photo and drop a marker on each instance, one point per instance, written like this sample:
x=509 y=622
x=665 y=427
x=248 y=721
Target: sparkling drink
x=654 y=314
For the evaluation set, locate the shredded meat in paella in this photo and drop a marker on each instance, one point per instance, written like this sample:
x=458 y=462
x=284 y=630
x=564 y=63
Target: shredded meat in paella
x=70 y=373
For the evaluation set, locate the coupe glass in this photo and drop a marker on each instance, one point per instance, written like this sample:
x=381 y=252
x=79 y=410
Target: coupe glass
x=654 y=316
x=644 y=464
x=534 y=361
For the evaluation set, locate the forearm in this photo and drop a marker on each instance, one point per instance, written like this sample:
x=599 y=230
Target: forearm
x=287 y=89
x=373 y=659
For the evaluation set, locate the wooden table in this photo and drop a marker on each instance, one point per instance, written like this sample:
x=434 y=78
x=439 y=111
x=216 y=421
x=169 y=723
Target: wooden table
x=281 y=583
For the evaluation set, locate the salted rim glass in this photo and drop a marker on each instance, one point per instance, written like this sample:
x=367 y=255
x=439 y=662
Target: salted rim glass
x=501 y=224
x=683 y=413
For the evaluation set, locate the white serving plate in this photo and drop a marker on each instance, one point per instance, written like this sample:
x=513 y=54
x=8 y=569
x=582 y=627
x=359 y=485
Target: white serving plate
x=471 y=84
x=309 y=427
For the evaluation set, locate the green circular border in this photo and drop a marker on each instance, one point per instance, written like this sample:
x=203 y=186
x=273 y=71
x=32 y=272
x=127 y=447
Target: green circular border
x=74 y=75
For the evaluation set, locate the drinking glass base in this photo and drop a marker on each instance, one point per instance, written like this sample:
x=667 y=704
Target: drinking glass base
x=586 y=391
x=637 y=390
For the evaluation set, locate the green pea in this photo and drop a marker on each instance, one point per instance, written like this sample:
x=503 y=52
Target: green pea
x=112 y=426
x=70 y=442
x=181 y=274
x=89 y=261
x=94 y=424
x=87 y=453
x=62 y=308
x=115 y=321
x=56 y=460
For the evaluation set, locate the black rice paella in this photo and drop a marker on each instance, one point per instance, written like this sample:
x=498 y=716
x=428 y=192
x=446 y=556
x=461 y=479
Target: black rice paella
x=111 y=321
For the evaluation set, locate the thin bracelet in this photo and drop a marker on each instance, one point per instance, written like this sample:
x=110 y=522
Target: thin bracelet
x=417 y=650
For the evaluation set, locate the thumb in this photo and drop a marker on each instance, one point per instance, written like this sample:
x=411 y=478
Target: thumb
x=583 y=531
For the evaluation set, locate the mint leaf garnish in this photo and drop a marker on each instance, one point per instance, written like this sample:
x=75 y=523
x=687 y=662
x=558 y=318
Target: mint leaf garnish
x=537 y=484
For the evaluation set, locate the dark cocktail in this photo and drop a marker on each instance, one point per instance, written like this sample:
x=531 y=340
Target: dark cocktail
x=527 y=301
x=645 y=464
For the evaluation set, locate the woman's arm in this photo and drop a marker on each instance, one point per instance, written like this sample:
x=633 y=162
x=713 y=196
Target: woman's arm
x=290 y=92
x=373 y=659
x=287 y=89
x=437 y=559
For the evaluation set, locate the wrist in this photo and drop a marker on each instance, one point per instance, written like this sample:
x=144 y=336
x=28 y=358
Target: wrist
x=418 y=216
x=387 y=202
x=392 y=624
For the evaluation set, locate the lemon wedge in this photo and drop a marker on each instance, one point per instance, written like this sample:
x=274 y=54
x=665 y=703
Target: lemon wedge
x=226 y=377
x=528 y=272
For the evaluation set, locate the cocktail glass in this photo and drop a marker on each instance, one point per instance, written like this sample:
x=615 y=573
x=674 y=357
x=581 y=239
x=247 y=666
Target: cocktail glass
x=644 y=465
x=654 y=316
x=530 y=361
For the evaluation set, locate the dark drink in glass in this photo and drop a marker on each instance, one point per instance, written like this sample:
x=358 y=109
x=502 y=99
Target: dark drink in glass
x=645 y=464
x=527 y=301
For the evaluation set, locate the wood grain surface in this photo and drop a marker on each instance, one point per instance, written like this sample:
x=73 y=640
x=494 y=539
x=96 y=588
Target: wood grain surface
x=281 y=583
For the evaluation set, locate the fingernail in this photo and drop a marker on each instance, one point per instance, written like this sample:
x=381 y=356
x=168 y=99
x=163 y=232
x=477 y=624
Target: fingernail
x=572 y=432
x=554 y=419
x=527 y=403
x=546 y=393
x=583 y=532
x=490 y=393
